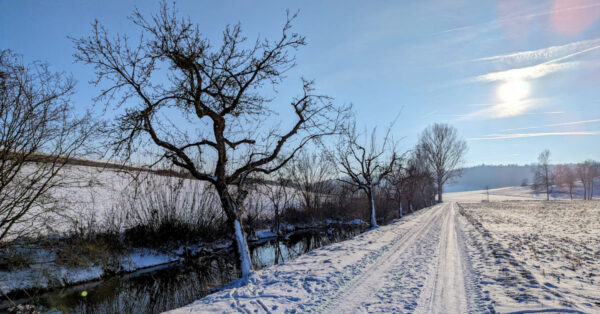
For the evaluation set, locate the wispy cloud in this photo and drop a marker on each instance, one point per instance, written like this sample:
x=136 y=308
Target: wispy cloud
x=552 y=125
x=524 y=135
x=496 y=23
x=520 y=129
x=503 y=110
x=553 y=52
x=574 y=122
x=531 y=72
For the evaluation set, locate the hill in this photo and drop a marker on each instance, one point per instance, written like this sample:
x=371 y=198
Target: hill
x=492 y=176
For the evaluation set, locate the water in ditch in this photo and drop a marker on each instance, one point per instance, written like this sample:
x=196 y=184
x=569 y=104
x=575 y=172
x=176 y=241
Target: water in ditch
x=167 y=287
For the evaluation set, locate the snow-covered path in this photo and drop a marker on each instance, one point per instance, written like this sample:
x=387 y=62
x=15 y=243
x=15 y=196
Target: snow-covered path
x=417 y=264
x=446 y=286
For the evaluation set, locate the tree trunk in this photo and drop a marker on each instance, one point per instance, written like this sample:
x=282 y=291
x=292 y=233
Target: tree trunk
x=234 y=220
x=400 y=211
x=277 y=220
x=439 y=191
x=571 y=191
x=372 y=203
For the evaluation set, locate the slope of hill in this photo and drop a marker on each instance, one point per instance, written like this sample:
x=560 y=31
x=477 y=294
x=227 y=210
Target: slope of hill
x=480 y=177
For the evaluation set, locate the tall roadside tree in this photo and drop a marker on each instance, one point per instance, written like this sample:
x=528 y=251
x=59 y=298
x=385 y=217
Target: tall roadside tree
x=39 y=133
x=204 y=104
x=444 y=153
x=397 y=185
x=543 y=175
x=364 y=163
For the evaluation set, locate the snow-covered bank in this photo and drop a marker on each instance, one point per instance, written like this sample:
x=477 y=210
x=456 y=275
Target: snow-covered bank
x=391 y=268
x=45 y=274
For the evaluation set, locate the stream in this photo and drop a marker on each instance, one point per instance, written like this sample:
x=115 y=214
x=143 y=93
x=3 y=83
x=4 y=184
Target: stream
x=161 y=288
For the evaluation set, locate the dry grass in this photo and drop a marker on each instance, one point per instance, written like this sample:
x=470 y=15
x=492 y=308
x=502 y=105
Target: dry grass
x=557 y=242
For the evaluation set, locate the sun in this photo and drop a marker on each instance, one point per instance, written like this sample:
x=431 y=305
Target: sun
x=513 y=90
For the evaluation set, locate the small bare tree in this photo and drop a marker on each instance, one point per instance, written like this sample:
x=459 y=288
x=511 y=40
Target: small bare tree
x=311 y=174
x=279 y=191
x=397 y=184
x=38 y=136
x=444 y=152
x=204 y=105
x=543 y=175
x=565 y=176
x=361 y=162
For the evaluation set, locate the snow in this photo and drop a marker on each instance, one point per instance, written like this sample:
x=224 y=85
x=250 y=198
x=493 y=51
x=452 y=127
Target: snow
x=47 y=274
x=265 y=234
x=513 y=193
x=144 y=258
x=242 y=247
x=509 y=256
x=357 y=222
x=91 y=194
x=537 y=255
x=390 y=268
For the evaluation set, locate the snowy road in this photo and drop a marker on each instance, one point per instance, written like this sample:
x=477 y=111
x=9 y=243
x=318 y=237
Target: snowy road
x=416 y=265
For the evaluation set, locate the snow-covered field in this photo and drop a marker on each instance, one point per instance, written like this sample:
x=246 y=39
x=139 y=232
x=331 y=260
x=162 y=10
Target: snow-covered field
x=533 y=254
x=513 y=193
x=109 y=198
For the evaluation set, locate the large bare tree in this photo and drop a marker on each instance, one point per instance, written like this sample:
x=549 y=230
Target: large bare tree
x=206 y=105
x=444 y=153
x=38 y=135
x=364 y=163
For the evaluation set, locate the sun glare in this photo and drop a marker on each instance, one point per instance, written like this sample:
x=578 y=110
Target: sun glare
x=513 y=90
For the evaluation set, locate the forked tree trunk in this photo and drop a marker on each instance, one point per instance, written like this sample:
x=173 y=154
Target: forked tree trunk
x=241 y=245
x=372 y=203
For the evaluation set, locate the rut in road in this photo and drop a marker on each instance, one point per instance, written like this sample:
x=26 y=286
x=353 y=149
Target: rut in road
x=421 y=272
x=445 y=290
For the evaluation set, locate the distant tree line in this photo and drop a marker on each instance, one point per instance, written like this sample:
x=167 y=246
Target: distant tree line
x=567 y=176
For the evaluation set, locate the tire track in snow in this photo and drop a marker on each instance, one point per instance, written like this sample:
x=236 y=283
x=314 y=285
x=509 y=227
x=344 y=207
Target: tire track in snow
x=362 y=289
x=445 y=290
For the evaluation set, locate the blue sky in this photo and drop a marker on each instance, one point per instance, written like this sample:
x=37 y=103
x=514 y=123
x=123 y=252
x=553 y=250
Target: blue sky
x=514 y=77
